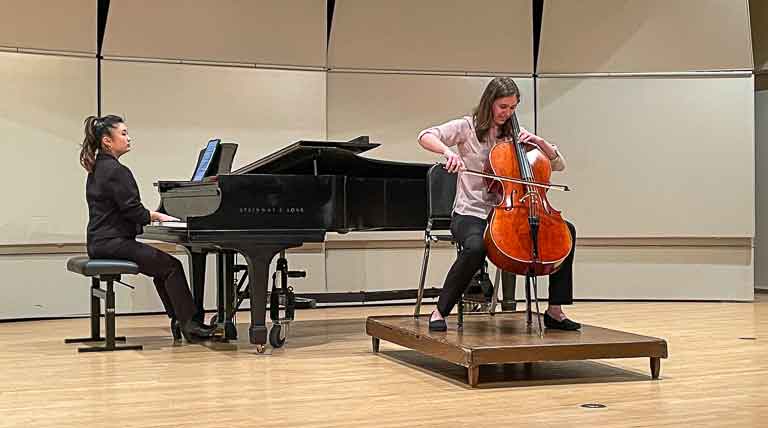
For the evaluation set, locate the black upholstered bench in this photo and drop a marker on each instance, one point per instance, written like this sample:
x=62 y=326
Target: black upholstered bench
x=109 y=271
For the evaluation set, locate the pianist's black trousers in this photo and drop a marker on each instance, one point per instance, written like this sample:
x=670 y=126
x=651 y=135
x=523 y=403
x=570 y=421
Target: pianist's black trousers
x=165 y=270
x=468 y=232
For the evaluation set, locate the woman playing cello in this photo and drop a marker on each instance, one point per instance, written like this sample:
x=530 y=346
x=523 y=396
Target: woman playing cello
x=466 y=143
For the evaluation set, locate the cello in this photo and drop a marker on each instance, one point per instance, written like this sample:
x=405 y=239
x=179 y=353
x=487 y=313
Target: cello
x=525 y=234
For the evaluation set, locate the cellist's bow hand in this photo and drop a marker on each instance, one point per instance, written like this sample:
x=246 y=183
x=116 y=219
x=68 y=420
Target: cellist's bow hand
x=453 y=162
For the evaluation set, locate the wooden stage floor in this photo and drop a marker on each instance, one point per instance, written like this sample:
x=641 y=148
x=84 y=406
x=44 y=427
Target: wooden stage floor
x=507 y=338
x=326 y=376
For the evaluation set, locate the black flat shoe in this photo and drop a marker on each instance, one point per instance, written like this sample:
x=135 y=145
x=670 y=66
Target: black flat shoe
x=565 y=324
x=194 y=331
x=438 y=325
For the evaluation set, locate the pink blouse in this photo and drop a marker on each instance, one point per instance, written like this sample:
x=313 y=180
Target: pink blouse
x=472 y=197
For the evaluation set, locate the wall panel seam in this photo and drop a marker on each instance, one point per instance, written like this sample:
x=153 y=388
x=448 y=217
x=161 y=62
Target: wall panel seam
x=682 y=74
x=671 y=243
x=214 y=63
x=29 y=51
x=429 y=72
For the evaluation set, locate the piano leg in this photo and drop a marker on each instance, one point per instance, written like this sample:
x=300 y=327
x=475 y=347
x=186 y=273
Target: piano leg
x=197 y=277
x=259 y=257
x=226 y=295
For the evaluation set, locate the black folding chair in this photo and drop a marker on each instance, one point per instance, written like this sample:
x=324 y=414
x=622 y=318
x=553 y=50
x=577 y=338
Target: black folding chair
x=441 y=191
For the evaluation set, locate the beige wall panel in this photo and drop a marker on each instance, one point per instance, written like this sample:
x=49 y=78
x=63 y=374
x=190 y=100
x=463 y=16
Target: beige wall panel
x=45 y=100
x=313 y=263
x=758 y=14
x=644 y=36
x=172 y=110
x=393 y=108
x=479 y=36
x=38 y=285
x=761 y=189
x=381 y=269
x=656 y=273
x=677 y=273
x=653 y=157
x=289 y=32
x=49 y=25
x=41 y=286
x=608 y=272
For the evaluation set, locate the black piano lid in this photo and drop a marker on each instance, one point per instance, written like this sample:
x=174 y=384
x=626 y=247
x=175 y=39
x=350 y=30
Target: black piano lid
x=330 y=158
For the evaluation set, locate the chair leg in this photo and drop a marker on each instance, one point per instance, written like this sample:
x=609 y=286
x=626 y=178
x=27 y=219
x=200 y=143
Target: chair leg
x=423 y=276
x=495 y=298
x=508 y=286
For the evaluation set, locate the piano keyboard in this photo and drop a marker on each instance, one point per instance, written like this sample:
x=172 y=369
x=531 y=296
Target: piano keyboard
x=173 y=224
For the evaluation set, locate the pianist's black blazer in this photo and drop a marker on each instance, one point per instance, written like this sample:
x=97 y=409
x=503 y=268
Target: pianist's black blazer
x=114 y=205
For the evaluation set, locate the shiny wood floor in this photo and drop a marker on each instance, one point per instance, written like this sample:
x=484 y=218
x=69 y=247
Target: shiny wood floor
x=717 y=375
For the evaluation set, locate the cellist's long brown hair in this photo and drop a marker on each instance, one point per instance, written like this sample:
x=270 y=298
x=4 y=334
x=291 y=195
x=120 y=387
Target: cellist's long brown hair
x=482 y=118
x=95 y=129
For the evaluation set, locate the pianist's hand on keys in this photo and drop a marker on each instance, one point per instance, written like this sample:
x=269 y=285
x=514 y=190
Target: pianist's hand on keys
x=160 y=217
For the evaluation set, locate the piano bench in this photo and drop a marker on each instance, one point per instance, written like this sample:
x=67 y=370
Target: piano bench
x=107 y=271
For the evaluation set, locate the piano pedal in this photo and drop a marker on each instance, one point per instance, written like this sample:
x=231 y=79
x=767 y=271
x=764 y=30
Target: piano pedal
x=282 y=299
x=305 y=303
x=297 y=274
x=299 y=302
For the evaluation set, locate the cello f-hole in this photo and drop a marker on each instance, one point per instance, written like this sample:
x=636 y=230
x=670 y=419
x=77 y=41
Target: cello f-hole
x=509 y=201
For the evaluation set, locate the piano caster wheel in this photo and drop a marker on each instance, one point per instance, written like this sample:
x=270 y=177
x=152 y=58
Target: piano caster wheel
x=274 y=336
x=261 y=348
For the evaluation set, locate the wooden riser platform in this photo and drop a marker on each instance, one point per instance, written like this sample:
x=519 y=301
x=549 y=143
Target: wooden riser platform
x=506 y=338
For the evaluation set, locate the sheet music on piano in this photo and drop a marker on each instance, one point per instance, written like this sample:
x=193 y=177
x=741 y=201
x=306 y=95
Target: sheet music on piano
x=205 y=160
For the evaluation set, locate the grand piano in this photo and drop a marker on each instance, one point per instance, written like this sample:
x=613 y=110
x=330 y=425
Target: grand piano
x=292 y=196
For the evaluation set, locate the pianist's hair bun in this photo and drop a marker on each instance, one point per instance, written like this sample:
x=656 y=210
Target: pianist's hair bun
x=95 y=129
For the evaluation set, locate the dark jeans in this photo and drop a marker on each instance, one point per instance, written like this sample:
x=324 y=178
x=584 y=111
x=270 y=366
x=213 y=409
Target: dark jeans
x=165 y=270
x=468 y=232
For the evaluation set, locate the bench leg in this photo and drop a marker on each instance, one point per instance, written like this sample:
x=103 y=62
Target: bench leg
x=109 y=315
x=95 y=317
x=95 y=311
x=109 y=321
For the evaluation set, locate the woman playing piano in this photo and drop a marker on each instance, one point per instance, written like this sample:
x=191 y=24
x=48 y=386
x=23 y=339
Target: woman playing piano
x=116 y=215
x=466 y=143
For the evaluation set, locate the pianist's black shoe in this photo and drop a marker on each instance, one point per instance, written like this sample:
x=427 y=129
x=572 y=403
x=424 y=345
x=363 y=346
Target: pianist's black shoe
x=194 y=331
x=176 y=329
x=565 y=324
